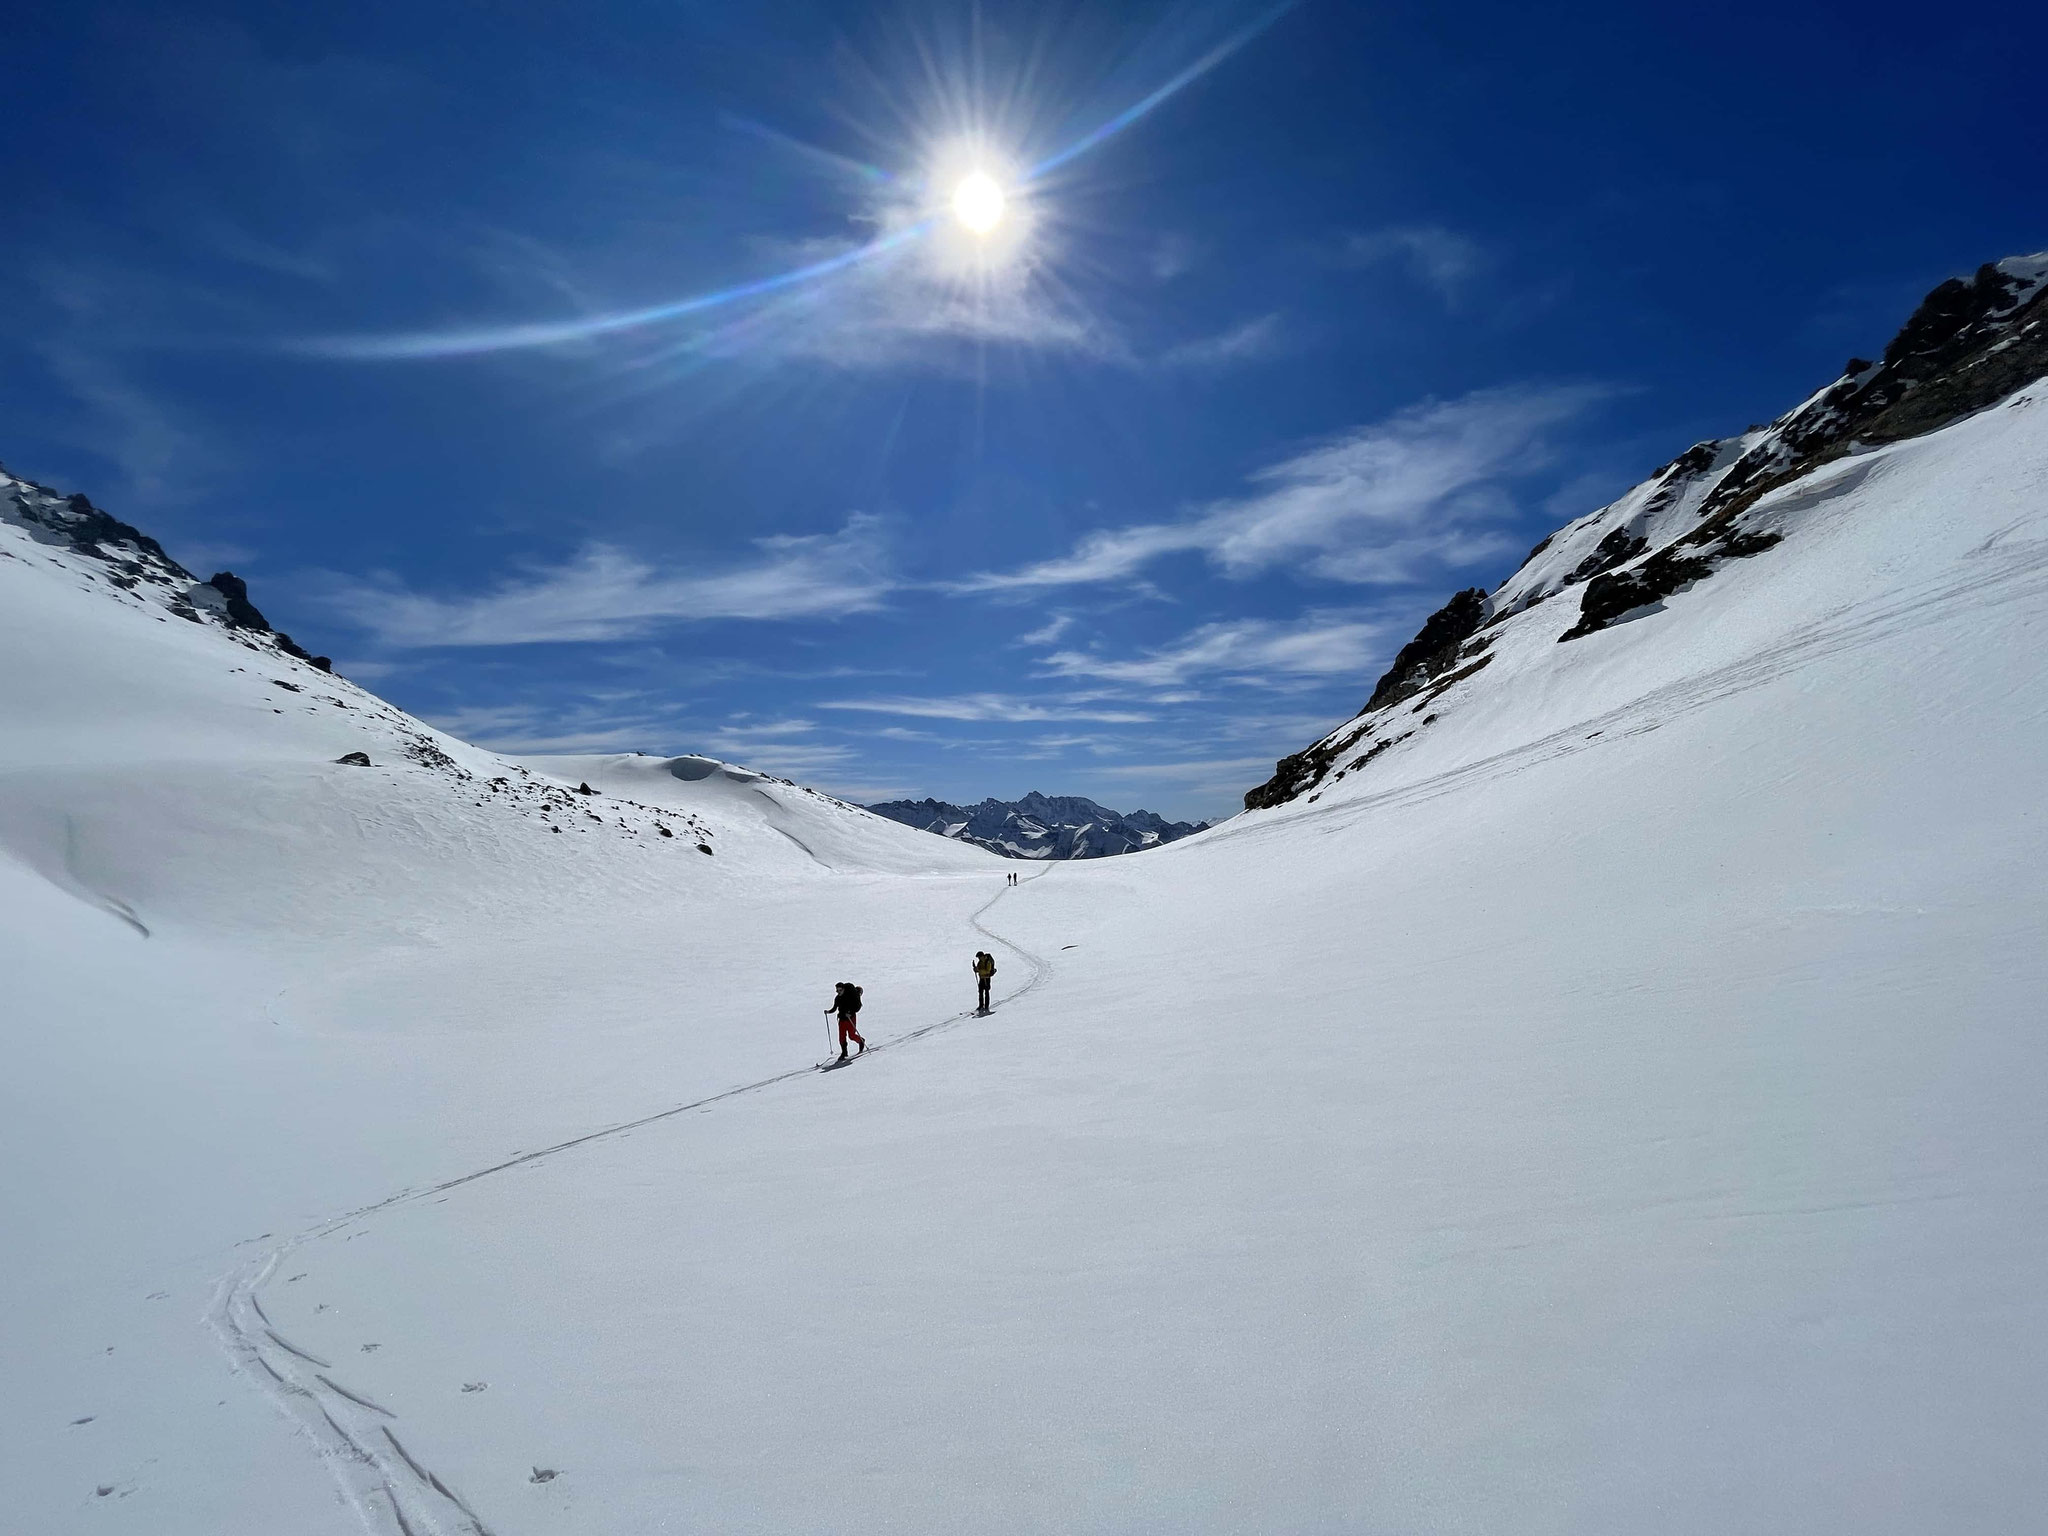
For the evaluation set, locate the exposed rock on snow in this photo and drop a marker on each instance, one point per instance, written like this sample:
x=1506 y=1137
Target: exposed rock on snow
x=1432 y=651
x=129 y=559
x=1041 y=826
x=1971 y=343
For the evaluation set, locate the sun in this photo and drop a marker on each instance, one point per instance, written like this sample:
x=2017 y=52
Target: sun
x=978 y=202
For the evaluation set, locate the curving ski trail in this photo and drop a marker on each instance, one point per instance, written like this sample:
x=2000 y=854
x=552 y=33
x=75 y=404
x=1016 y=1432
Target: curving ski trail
x=391 y=1492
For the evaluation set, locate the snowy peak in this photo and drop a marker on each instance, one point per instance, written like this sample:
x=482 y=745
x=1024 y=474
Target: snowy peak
x=1972 y=342
x=1040 y=826
x=99 y=547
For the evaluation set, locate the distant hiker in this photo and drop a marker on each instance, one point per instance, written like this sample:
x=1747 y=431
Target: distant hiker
x=984 y=971
x=846 y=1004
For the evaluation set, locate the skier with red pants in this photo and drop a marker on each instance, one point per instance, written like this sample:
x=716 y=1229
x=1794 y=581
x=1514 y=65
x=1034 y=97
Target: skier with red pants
x=846 y=1003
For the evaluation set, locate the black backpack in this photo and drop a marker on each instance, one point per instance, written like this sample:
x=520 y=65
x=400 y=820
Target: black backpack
x=849 y=998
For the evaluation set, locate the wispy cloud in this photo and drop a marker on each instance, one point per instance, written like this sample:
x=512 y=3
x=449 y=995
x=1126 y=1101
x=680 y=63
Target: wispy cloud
x=1381 y=504
x=135 y=428
x=1319 y=645
x=990 y=706
x=1049 y=632
x=1201 y=769
x=230 y=240
x=572 y=727
x=1173 y=255
x=786 y=747
x=1246 y=341
x=606 y=593
x=88 y=332
x=1436 y=257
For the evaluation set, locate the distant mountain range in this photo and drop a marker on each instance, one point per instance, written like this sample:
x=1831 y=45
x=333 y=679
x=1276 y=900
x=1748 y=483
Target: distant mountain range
x=1041 y=826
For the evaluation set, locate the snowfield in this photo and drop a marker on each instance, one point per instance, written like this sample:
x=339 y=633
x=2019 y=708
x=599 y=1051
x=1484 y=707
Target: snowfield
x=1617 y=1108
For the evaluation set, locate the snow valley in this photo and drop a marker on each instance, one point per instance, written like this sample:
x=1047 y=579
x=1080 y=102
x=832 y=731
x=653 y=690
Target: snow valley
x=1597 y=1089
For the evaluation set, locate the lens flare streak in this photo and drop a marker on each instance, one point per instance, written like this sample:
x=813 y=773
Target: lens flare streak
x=554 y=332
x=433 y=344
x=1173 y=87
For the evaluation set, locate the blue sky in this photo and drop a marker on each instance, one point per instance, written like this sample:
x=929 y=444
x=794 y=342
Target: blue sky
x=1125 y=499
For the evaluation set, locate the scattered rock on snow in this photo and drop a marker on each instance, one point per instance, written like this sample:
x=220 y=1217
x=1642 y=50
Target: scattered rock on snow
x=355 y=759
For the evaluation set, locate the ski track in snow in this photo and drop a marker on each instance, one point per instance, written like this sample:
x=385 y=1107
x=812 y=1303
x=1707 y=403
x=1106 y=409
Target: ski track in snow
x=391 y=1492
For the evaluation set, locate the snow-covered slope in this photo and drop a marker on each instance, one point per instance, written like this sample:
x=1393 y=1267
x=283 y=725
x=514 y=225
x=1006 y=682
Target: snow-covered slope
x=250 y=983
x=1615 y=1107
x=1970 y=345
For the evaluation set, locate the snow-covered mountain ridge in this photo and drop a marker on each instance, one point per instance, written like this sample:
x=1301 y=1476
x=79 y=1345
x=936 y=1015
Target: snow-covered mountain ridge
x=118 y=655
x=1971 y=343
x=1041 y=826
x=103 y=549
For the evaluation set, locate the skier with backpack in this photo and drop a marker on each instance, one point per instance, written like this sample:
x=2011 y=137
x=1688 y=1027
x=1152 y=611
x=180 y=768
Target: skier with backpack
x=846 y=1004
x=984 y=972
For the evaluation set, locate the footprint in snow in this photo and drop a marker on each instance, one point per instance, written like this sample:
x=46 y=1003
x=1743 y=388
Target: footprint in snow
x=86 y=1420
x=544 y=1475
x=474 y=1386
x=371 y=1349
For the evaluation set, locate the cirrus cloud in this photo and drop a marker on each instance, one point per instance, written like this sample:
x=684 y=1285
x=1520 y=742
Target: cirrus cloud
x=1379 y=504
x=606 y=593
x=1317 y=645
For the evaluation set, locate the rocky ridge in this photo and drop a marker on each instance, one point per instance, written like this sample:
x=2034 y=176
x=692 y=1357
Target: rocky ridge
x=129 y=561
x=1041 y=826
x=1971 y=342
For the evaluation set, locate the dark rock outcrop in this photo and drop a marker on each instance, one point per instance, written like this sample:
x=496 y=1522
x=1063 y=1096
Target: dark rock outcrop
x=134 y=562
x=1617 y=548
x=1433 y=649
x=1293 y=774
x=243 y=614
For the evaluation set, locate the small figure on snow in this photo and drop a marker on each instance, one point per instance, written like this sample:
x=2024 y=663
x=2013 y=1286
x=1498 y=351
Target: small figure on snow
x=846 y=1004
x=984 y=972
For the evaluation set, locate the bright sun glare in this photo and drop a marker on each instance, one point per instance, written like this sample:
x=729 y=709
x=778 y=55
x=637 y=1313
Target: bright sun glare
x=978 y=202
